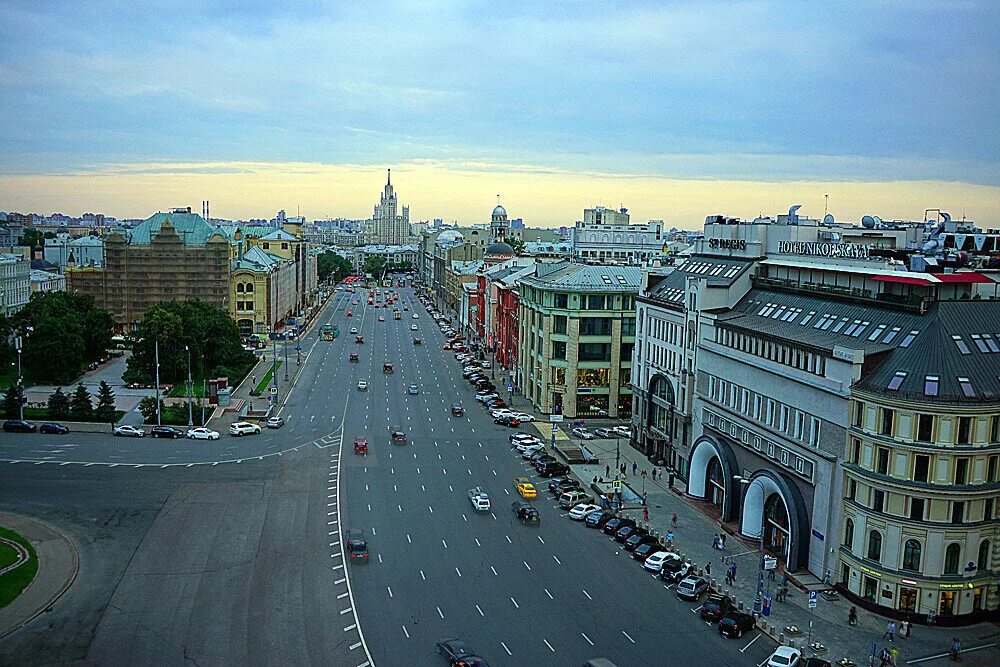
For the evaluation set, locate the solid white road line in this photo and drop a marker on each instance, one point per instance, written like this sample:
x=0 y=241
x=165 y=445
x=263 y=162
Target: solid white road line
x=587 y=594
x=549 y=645
x=505 y=648
x=627 y=637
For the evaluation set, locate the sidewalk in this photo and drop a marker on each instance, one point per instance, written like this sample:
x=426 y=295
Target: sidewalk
x=693 y=539
x=58 y=563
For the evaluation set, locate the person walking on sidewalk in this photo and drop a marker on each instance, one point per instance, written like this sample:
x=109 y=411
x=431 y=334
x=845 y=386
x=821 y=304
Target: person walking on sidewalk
x=645 y=513
x=708 y=569
x=607 y=471
x=956 y=650
x=722 y=541
x=732 y=572
x=890 y=631
x=729 y=577
x=852 y=617
x=634 y=467
x=673 y=520
x=715 y=541
x=670 y=538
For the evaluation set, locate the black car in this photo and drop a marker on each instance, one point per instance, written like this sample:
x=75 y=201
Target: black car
x=525 y=511
x=165 y=432
x=645 y=550
x=735 y=623
x=57 y=429
x=540 y=456
x=598 y=519
x=552 y=469
x=459 y=653
x=638 y=538
x=555 y=484
x=715 y=607
x=507 y=420
x=18 y=426
x=626 y=531
x=614 y=525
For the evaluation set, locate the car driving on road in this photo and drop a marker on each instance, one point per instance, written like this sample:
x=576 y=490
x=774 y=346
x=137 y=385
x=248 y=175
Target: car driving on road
x=459 y=653
x=357 y=545
x=275 y=422
x=362 y=385
x=243 y=428
x=56 y=429
x=525 y=487
x=479 y=499
x=202 y=433
x=525 y=512
x=125 y=430
x=413 y=390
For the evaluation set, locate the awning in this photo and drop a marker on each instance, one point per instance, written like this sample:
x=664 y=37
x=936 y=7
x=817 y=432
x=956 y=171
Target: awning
x=962 y=277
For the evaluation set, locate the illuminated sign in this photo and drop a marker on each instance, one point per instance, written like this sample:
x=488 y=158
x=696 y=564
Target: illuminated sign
x=846 y=250
x=728 y=244
x=868 y=571
x=954 y=586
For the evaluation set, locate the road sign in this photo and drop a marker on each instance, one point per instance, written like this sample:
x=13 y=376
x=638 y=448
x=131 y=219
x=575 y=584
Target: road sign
x=510 y=387
x=616 y=485
x=274 y=390
x=770 y=563
x=812 y=599
x=555 y=419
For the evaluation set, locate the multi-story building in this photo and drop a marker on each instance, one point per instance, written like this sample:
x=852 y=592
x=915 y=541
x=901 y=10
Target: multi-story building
x=83 y=251
x=393 y=254
x=15 y=281
x=46 y=281
x=389 y=225
x=577 y=329
x=262 y=291
x=605 y=236
x=175 y=255
x=506 y=314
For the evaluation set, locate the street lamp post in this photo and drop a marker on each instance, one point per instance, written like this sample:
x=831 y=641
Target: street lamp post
x=285 y=346
x=156 y=354
x=190 y=389
x=274 y=368
x=20 y=382
x=758 y=600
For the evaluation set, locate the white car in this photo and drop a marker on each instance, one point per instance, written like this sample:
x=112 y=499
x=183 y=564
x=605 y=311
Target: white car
x=487 y=363
x=275 y=422
x=243 y=428
x=622 y=431
x=381 y=318
x=583 y=433
x=129 y=431
x=531 y=450
x=524 y=416
x=415 y=316
x=413 y=327
x=354 y=330
x=202 y=433
x=522 y=445
x=479 y=499
x=501 y=412
x=580 y=512
x=604 y=432
x=362 y=385
x=482 y=398
x=785 y=656
x=655 y=561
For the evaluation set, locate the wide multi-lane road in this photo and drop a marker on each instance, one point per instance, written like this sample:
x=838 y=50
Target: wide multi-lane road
x=231 y=552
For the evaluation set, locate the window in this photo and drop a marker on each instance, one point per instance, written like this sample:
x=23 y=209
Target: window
x=983 y=559
x=960 y=344
x=875 y=546
x=925 y=428
x=988 y=509
x=855 y=450
x=594 y=302
x=859 y=414
x=921 y=467
x=852 y=489
x=595 y=352
x=896 y=380
x=595 y=326
x=909 y=339
x=952 y=558
x=784 y=418
x=961 y=470
x=882 y=464
x=931 y=385
x=878 y=500
x=995 y=429
x=562 y=300
x=756 y=406
x=559 y=324
x=991 y=468
x=814 y=425
x=849 y=533
x=888 y=417
x=957 y=512
x=558 y=349
x=917 y=509
x=628 y=326
x=964 y=430
x=911 y=556
x=558 y=375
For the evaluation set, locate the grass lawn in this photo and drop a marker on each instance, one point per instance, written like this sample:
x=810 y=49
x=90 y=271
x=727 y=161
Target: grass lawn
x=262 y=386
x=180 y=390
x=15 y=581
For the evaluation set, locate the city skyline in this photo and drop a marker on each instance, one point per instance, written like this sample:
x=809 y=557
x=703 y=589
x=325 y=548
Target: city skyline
x=674 y=110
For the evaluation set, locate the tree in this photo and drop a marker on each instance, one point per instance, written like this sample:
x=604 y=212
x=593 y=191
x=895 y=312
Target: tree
x=58 y=404
x=147 y=408
x=516 y=243
x=11 y=402
x=105 y=411
x=32 y=237
x=330 y=263
x=374 y=265
x=80 y=406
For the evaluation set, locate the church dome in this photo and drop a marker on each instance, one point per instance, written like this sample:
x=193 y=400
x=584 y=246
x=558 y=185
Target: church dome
x=499 y=212
x=499 y=248
x=450 y=236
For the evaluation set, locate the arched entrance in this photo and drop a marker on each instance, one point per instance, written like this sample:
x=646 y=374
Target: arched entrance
x=713 y=465
x=772 y=501
x=660 y=419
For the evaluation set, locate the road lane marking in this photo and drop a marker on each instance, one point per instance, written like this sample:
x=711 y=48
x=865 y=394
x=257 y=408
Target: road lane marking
x=557 y=559
x=515 y=603
x=409 y=541
x=505 y=648
x=345 y=611
x=439 y=612
x=549 y=594
x=549 y=645
x=341 y=596
x=587 y=594
x=458 y=571
x=627 y=637
x=494 y=571
x=592 y=643
x=422 y=575
x=526 y=565
x=405 y=632
x=444 y=543
x=390 y=590
x=743 y=650
x=540 y=539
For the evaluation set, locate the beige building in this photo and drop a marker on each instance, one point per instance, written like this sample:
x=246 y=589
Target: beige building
x=262 y=291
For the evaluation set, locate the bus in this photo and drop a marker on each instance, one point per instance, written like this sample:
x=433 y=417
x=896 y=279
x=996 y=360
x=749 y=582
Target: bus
x=328 y=332
x=396 y=314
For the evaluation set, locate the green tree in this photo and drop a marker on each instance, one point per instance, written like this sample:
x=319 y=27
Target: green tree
x=330 y=263
x=32 y=237
x=374 y=265
x=147 y=408
x=516 y=243
x=58 y=404
x=11 y=399
x=80 y=406
x=105 y=411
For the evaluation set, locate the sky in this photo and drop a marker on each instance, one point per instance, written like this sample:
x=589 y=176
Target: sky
x=676 y=110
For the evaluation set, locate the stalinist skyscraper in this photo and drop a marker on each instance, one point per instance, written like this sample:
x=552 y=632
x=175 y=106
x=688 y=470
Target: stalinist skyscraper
x=388 y=228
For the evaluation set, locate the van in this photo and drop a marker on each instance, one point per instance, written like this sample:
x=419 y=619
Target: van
x=573 y=498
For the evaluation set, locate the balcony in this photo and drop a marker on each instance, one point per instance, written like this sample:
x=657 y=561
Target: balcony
x=908 y=302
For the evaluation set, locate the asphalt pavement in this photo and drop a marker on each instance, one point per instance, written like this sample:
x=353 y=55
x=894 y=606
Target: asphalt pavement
x=231 y=552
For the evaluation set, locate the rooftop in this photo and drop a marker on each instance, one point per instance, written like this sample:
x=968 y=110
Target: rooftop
x=574 y=277
x=191 y=227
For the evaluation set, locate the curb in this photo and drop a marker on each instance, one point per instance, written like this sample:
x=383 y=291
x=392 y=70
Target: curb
x=62 y=589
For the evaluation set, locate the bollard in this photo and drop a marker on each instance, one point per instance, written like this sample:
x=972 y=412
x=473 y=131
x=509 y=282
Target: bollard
x=739 y=606
x=781 y=638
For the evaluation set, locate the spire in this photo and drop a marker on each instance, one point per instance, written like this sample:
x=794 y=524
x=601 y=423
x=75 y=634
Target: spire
x=388 y=180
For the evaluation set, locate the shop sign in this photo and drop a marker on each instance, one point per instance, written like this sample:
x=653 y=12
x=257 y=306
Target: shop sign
x=728 y=244
x=911 y=582
x=869 y=571
x=954 y=586
x=846 y=250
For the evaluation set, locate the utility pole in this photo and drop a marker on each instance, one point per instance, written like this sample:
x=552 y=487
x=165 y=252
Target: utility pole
x=274 y=370
x=156 y=351
x=20 y=382
x=190 y=389
x=285 y=346
x=758 y=601
x=204 y=397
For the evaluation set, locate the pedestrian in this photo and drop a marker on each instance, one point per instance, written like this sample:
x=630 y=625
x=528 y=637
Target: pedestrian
x=673 y=519
x=670 y=537
x=715 y=541
x=595 y=479
x=722 y=541
x=784 y=579
x=635 y=466
x=644 y=498
x=890 y=630
x=645 y=514
x=732 y=572
x=770 y=575
x=956 y=649
x=643 y=473
x=729 y=578
x=708 y=569
x=607 y=471
x=660 y=472
x=826 y=577
x=884 y=658
x=904 y=628
x=253 y=380
x=852 y=617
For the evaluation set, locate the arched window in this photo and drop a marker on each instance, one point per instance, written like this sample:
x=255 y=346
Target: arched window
x=952 y=558
x=983 y=561
x=875 y=546
x=911 y=555
x=239 y=288
x=249 y=287
x=849 y=533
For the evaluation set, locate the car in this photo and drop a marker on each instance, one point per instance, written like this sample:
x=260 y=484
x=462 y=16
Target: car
x=359 y=340
x=785 y=656
x=414 y=315
x=357 y=545
x=125 y=431
x=524 y=416
x=354 y=330
x=525 y=512
x=583 y=433
x=553 y=468
x=622 y=431
x=500 y=412
x=350 y=314
x=487 y=363
x=637 y=539
x=495 y=403
x=625 y=532
x=644 y=551
x=580 y=512
x=413 y=390
x=397 y=435
x=387 y=368
x=612 y=526
x=457 y=410
x=564 y=486
x=715 y=607
x=654 y=561
x=675 y=569
x=446 y=346
x=381 y=318
x=361 y=446
x=418 y=341
x=243 y=428
x=275 y=422
x=692 y=588
x=530 y=450
x=525 y=487
x=507 y=420
x=479 y=499
x=734 y=623
x=539 y=459
x=413 y=327
x=572 y=498
x=603 y=432
x=598 y=519
x=54 y=429
x=354 y=357
x=459 y=653
x=522 y=437
x=166 y=432
x=202 y=433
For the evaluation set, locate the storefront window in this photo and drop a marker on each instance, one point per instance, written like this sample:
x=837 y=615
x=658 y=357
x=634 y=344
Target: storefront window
x=871 y=588
x=592 y=406
x=624 y=405
x=908 y=599
x=558 y=375
x=593 y=377
x=947 y=604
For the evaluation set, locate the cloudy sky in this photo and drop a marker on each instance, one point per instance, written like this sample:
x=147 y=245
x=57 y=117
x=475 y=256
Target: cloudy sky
x=676 y=109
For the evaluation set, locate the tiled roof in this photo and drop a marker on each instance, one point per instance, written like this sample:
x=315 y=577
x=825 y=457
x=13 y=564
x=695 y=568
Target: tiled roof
x=950 y=340
x=191 y=227
x=256 y=259
x=718 y=271
x=585 y=278
x=279 y=235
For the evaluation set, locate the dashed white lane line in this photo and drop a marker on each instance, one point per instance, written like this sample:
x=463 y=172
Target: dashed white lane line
x=494 y=571
x=540 y=539
x=526 y=565
x=458 y=571
x=557 y=559
x=480 y=610
x=549 y=594
x=517 y=606
x=444 y=543
x=627 y=637
x=390 y=590
x=592 y=643
x=508 y=539
x=405 y=632
x=549 y=645
x=587 y=594
x=505 y=648
x=409 y=540
x=440 y=613
x=477 y=542
x=422 y=575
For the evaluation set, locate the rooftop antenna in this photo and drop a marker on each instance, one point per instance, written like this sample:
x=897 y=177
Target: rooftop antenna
x=826 y=205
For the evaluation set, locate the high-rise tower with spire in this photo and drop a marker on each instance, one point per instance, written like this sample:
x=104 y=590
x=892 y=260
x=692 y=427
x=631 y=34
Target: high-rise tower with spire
x=388 y=226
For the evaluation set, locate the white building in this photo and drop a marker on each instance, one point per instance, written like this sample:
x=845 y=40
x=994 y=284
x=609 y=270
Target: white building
x=605 y=236
x=389 y=226
x=46 y=281
x=393 y=254
x=83 y=251
x=15 y=281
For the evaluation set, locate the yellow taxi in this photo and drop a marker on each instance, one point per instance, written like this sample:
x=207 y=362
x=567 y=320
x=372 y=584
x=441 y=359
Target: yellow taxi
x=525 y=487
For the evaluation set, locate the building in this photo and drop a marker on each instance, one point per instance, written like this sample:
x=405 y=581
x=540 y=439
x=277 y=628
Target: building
x=83 y=251
x=398 y=255
x=505 y=307
x=46 y=281
x=605 y=236
x=389 y=225
x=577 y=329
x=15 y=281
x=262 y=291
x=168 y=256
